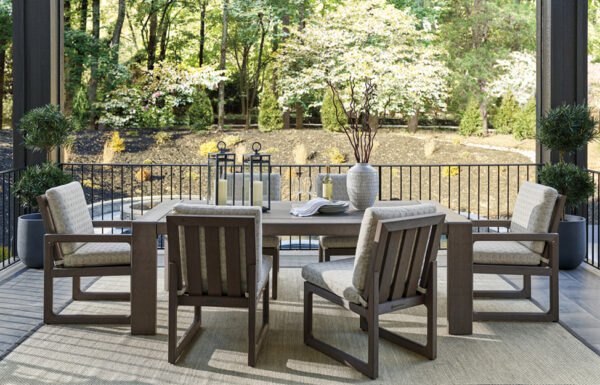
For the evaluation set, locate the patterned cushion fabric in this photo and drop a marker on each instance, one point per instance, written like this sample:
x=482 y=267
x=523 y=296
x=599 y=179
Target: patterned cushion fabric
x=339 y=190
x=271 y=241
x=99 y=254
x=275 y=186
x=504 y=253
x=367 y=233
x=69 y=213
x=327 y=241
x=198 y=209
x=533 y=212
x=334 y=276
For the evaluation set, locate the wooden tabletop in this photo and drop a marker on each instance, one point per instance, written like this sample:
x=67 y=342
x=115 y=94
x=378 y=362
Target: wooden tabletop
x=279 y=221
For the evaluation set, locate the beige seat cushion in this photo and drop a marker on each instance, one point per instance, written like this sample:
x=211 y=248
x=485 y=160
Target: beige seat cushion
x=270 y=241
x=202 y=209
x=339 y=190
x=333 y=242
x=99 y=254
x=334 y=276
x=69 y=213
x=504 y=253
x=533 y=212
x=368 y=227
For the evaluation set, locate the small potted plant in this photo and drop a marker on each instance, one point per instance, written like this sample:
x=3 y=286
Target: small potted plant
x=567 y=129
x=44 y=128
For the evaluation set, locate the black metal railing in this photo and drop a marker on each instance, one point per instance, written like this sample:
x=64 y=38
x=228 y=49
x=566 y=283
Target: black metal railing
x=10 y=210
x=123 y=191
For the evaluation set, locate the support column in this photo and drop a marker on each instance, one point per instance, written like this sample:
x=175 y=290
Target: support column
x=562 y=39
x=38 y=62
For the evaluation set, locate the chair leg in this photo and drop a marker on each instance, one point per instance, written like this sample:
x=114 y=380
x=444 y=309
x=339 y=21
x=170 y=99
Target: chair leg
x=252 y=334
x=431 y=304
x=320 y=253
x=173 y=316
x=48 y=291
x=79 y=295
x=275 y=271
x=373 y=325
x=527 y=286
x=327 y=255
x=553 y=311
x=308 y=310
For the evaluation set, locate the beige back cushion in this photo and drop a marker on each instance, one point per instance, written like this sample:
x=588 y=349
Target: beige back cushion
x=339 y=190
x=275 y=186
x=533 y=212
x=69 y=213
x=366 y=238
x=196 y=209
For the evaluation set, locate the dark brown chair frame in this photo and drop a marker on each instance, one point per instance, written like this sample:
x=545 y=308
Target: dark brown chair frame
x=402 y=274
x=325 y=253
x=194 y=296
x=274 y=252
x=53 y=253
x=549 y=269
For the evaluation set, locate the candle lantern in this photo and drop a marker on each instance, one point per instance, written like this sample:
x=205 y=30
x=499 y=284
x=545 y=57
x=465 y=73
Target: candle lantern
x=220 y=164
x=256 y=189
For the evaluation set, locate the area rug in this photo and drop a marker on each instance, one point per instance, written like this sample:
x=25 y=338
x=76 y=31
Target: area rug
x=495 y=353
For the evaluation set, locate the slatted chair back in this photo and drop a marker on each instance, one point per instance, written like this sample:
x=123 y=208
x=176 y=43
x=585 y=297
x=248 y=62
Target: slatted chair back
x=339 y=190
x=215 y=249
x=402 y=256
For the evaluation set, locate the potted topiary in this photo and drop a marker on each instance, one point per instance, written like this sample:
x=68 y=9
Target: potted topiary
x=567 y=129
x=44 y=128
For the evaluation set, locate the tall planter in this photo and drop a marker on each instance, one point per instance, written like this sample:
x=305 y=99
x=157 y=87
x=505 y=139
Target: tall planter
x=571 y=242
x=30 y=240
x=363 y=185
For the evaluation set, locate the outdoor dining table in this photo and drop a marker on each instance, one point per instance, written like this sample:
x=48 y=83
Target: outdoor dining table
x=278 y=221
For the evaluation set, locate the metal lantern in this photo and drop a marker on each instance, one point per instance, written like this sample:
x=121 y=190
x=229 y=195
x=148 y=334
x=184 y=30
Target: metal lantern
x=220 y=164
x=256 y=188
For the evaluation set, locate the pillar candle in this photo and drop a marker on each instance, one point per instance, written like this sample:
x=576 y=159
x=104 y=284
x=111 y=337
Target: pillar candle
x=222 y=198
x=257 y=194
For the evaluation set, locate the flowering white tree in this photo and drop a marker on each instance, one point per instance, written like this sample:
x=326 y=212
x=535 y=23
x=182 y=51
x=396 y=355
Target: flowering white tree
x=364 y=39
x=517 y=75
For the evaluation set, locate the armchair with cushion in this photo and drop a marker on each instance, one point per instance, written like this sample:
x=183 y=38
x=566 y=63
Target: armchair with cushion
x=394 y=268
x=73 y=249
x=529 y=247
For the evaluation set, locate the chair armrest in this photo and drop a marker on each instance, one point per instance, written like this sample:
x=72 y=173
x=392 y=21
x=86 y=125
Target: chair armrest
x=491 y=223
x=112 y=224
x=96 y=238
x=545 y=237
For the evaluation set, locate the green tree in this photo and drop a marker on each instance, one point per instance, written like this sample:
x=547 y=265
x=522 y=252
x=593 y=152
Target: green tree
x=505 y=118
x=328 y=113
x=201 y=112
x=5 y=42
x=525 y=123
x=270 y=116
x=471 y=122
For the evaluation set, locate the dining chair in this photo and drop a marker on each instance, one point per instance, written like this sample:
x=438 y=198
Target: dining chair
x=270 y=242
x=215 y=259
x=335 y=245
x=529 y=247
x=73 y=249
x=394 y=268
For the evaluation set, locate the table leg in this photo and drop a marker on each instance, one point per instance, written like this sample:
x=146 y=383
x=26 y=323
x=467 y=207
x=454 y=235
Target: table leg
x=460 y=279
x=143 y=278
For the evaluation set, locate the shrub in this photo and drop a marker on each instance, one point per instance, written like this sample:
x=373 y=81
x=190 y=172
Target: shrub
x=526 y=121
x=147 y=161
x=4 y=253
x=336 y=157
x=36 y=180
x=142 y=175
x=81 y=110
x=568 y=128
x=507 y=114
x=270 y=115
x=208 y=147
x=328 y=118
x=568 y=179
x=162 y=137
x=133 y=133
x=116 y=142
x=471 y=122
x=450 y=171
x=201 y=111
x=232 y=140
x=45 y=128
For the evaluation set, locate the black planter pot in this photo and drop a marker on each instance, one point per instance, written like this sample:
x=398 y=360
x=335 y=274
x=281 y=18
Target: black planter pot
x=571 y=242
x=30 y=240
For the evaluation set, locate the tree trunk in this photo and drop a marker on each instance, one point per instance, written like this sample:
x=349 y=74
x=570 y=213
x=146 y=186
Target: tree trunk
x=67 y=12
x=83 y=13
x=222 y=64
x=116 y=37
x=202 y=32
x=152 y=36
x=2 y=69
x=484 y=117
x=256 y=79
x=299 y=116
x=93 y=90
x=413 y=122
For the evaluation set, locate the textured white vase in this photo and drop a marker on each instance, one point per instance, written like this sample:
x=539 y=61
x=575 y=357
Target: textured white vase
x=363 y=185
